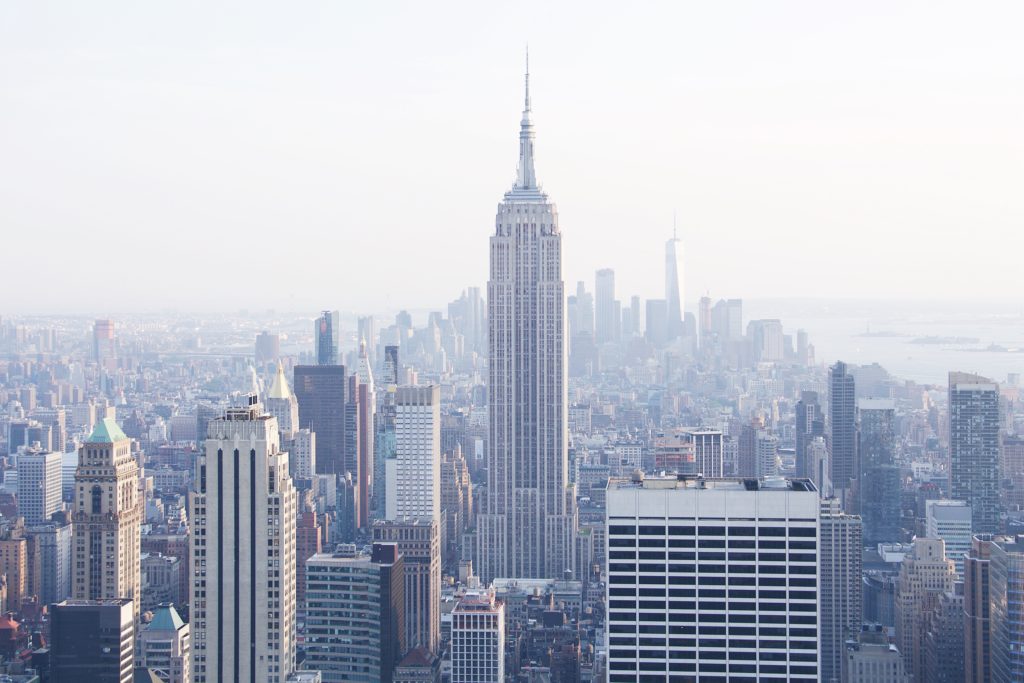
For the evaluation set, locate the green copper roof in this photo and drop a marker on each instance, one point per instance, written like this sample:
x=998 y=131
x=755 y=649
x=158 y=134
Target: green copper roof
x=106 y=431
x=165 y=618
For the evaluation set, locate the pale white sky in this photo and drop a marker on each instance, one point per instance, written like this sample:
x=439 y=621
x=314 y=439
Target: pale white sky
x=351 y=155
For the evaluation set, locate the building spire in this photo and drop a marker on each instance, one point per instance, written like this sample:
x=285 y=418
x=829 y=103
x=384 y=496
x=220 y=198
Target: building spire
x=526 y=178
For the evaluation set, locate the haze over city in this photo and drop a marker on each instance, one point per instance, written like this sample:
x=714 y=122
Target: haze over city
x=806 y=149
x=447 y=343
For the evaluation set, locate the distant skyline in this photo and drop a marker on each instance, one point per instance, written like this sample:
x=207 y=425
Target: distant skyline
x=198 y=157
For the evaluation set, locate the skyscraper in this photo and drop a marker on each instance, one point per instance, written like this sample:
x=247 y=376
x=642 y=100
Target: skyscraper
x=104 y=343
x=842 y=421
x=107 y=515
x=878 y=485
x=243 y=535
x=1006 y=616
x=926 y=574
x=322 y=392
x=39 y=486
x=413 y=509
x=841 y=597
x=810 y=422
x=355 y=620
x=950 y=520
x=419 y=543
x=674 y=285
x=974 y=447
x=605 y=321
x=326 y=329
x=709 y=577
x=977 y=624
x=366 y=411
x=530 y=522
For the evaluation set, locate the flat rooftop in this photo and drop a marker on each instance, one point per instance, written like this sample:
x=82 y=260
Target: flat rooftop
x=686 y=481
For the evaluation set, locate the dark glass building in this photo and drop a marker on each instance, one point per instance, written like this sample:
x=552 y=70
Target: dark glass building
x=322 y=393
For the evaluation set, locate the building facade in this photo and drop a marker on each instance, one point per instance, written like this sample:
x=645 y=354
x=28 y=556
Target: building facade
x=478 y=639
x=243 y=512
x=39 y=486
x=355 y=614
x=748 y=549
x=92 y=640
x=842 y=607
x=842 y=421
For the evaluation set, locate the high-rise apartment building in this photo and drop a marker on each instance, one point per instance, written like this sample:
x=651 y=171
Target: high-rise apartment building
x=530 y=522
x=322 y=394
x=926 y=574
x=243 y=514
x=840 y=592
x=326 y=331
x=478 y=639
x=107 y=518
x=974 y=447
x=92 y=640
x=712 y=578
x=878 y=484
x=674 y=291
x=39 y=486
x=842 y=423
x=950 y=520
x=355 y=614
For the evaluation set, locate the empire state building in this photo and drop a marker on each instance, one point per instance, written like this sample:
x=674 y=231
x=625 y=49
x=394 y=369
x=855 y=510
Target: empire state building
x=529 y=523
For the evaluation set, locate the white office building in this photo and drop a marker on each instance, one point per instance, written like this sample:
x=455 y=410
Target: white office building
x=478 y=639
x=39 y=486
x=243 y=552
x=707 y=451
x=414 y=474
x=712 y=579
x=950 y=520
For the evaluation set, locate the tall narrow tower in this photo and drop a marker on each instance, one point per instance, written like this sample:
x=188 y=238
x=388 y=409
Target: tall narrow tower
x=243 y=512
x=674 y=285
x=107 y=517
x=530 y=520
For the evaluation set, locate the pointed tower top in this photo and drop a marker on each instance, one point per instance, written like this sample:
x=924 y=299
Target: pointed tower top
x=526 y=177
x=527 y=104
x=279 y=389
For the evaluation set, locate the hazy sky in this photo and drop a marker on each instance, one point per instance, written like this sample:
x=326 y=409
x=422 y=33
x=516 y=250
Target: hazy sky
x=351 y=155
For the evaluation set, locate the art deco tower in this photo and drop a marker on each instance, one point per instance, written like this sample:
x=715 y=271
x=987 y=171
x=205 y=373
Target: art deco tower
x=530 y=519
x=107 y=516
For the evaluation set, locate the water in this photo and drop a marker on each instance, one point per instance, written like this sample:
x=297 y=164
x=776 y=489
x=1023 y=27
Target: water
x=837 y=331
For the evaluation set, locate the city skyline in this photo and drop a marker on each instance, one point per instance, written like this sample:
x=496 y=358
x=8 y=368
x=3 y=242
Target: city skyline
x=253 y=132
